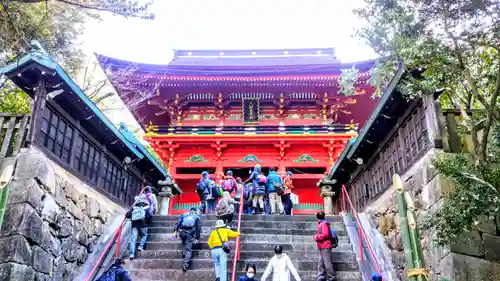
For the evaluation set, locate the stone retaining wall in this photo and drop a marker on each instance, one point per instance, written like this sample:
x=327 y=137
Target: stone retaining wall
x=52 y=222
x=474 y=260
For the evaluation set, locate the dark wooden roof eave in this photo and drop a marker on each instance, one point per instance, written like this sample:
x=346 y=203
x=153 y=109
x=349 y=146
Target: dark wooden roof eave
x=373 y=132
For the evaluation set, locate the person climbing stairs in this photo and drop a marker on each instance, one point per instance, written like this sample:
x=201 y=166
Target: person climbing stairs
x=161 y=258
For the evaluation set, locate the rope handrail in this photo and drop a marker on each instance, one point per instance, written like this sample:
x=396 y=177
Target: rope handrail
x=118 y=233
x=237 y=250
x=363 y=236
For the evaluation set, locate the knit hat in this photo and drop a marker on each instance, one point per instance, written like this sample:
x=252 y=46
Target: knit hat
x=141 y=199
x=219 y=223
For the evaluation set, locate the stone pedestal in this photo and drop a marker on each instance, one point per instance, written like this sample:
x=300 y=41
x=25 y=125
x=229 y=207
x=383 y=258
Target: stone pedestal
x=328 y=202
x=327 y=193
x=164 y=203
x=164 y=200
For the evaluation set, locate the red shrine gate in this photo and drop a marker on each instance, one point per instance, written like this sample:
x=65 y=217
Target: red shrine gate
x=219 y=110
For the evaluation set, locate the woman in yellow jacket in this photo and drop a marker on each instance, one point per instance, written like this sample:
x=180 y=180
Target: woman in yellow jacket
x=218 y=243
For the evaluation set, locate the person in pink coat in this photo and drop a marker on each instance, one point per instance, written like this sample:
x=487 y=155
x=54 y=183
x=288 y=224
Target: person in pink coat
x=324 y=241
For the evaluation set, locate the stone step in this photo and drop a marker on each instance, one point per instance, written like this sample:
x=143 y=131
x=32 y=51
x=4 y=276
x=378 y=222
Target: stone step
x=298 y=218
x=247 y=246
x=251 y=231
x=152 y=264
x=208 y=274
x=337 y=255
x=269 y=238
x=255 y=224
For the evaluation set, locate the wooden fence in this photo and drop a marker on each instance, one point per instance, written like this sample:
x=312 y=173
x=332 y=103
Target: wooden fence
x=14 y=129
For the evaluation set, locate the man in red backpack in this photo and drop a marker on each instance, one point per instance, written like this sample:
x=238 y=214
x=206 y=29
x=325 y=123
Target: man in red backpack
x=324 y=241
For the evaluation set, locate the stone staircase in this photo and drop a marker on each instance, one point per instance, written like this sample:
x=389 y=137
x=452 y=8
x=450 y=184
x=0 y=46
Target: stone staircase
x=161 y=260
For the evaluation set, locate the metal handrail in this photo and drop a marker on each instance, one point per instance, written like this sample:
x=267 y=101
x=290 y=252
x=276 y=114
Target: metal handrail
x=361 y=230
x=237 y=250
x=118 y=233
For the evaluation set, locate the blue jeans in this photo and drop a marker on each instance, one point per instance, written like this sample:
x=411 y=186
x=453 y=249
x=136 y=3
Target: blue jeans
x=219 y=258
x=212 y=204
x=135 y=235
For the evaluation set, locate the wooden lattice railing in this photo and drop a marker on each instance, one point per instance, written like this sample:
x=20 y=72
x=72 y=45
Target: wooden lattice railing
x=14 y=129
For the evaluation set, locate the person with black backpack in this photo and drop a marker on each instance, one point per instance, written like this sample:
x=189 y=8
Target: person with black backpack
x=140 y=215
x=115 y=273
x=188 y=227
x=203 y=191
x=326 y=240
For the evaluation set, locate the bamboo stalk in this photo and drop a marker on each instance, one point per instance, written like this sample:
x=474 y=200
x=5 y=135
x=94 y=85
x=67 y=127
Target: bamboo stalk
x=5 y=179
x=418 y=259
x=403 y=225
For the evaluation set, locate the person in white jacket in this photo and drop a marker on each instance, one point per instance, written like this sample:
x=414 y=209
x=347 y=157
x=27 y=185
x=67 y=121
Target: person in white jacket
x=281 y=266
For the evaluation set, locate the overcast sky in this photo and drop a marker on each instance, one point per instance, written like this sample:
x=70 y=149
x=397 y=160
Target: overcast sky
x=228 y=24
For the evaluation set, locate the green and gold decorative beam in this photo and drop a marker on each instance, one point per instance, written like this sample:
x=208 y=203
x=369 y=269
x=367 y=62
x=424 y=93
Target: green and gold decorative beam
x=305 y=158
x=196 y=159
x=250 y=158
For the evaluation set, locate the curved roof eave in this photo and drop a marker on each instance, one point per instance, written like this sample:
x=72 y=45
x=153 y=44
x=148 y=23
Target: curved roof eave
x=352 y=147
x=45 y=61
x=193 y=68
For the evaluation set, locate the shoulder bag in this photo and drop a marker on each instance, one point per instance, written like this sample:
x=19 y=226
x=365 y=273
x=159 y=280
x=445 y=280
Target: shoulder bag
x=225 y=245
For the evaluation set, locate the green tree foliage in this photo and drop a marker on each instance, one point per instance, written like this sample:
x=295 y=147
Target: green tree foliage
x=475 y=196
x=125 y=8
x=54 y=25
x=452 y=46
x=14 y=100
x=57 y=25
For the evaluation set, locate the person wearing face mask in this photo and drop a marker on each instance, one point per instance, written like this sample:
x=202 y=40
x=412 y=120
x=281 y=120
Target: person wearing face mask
x=280 y=266
x=250 y=271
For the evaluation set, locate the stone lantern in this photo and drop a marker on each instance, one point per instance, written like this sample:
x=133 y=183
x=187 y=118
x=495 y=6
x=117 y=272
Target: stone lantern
x=165 y=194
x=327 y=193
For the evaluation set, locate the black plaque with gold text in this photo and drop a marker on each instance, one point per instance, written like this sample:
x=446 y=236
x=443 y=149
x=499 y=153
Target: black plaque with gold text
x=251 y=110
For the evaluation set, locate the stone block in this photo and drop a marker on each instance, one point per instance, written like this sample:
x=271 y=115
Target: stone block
x=60 y=198
x=82 y=237
x=75 y=211
x=46 y=234
x=42 y=261
x=98 y=227
x=63 y=270
x=26 y=191
x=88 y=225
x=15 y=249
x=32 y=163
x=82 y=255
x=66 y=227
x=486 y=225
x=50 y=210
x=71 y=249
x=93 y=208
x=15 y=271
x=414 y=184
x=71 y=192
x=458 y=267
x=56 y=247
x=491 y=247
x=23 y=219
x=42 y=277
x=470 y=244
x=398 y=258
x=432 y=192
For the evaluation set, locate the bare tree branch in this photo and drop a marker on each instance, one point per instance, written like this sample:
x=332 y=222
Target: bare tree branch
x=103 y=97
